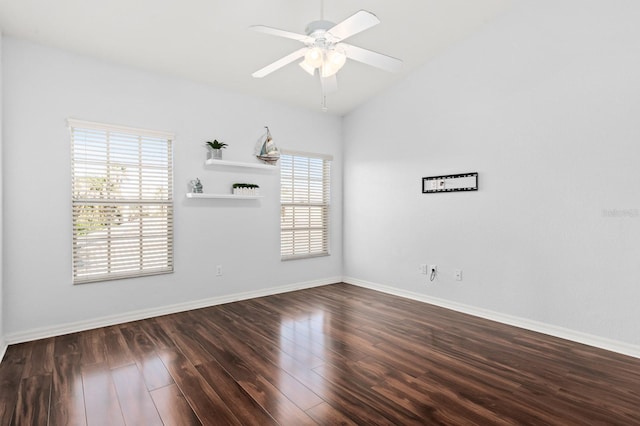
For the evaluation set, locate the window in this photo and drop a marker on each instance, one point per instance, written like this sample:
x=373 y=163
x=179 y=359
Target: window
x=304 y=205
x=122 y=202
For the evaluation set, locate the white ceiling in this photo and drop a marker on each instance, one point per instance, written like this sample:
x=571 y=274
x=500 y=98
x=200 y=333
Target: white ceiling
x=209 y=41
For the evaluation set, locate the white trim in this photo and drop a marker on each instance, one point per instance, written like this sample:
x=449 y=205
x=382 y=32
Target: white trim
x=3 y=348
x=540 y=327
x=92 y=125
x=551 y=330
x=307 y=154
x=60 y=329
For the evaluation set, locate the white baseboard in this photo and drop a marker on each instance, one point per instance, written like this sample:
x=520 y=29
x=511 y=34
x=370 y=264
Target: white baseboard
x=57 y=330
x=3 y=348
x=551 y=330
x=60 y=329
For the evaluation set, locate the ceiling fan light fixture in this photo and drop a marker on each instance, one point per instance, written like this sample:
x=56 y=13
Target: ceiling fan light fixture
x=328 y=70
x=334 y=61
x=325 y=51
x=337 y=57
x=314 y=57
x=308 y=68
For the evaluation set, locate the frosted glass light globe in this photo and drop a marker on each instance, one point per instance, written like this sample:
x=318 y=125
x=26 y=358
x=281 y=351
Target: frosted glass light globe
x=313 y=57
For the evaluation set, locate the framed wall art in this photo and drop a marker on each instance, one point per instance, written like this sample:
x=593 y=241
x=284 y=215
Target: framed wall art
x=450 y=183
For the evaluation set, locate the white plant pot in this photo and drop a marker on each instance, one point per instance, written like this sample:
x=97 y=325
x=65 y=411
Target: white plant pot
x=214 y=154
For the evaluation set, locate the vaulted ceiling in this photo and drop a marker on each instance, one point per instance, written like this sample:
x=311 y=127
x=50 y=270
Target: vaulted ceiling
x=208 y=40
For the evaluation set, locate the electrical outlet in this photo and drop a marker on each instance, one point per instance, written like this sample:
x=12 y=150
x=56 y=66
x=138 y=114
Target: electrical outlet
x=458 y=274
x=432 y=272
x=423 y=268
x=218 y=270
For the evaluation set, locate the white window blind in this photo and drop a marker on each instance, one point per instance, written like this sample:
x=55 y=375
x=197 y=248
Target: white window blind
x=304 y=199
x=122 y=202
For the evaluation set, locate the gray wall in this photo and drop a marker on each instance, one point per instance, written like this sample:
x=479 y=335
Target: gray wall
x=2 y=342
x=44 y=87
x=544 y=104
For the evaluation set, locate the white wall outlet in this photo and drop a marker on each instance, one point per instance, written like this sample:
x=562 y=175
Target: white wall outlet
x=423 y=268
x=218 y=270
x=458 y=274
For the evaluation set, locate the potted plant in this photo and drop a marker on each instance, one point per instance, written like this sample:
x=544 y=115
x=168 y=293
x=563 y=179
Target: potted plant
x=215 y=149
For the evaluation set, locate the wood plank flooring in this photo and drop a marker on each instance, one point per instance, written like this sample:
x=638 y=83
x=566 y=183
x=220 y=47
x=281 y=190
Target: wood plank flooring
x=331 y=355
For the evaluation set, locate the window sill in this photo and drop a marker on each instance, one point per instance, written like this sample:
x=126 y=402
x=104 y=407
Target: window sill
x=304 y=256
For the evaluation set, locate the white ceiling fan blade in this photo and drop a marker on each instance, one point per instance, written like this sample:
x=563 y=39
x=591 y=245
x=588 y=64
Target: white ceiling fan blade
x=280 y=63
x=358 y=22
x=372 y=58
x=329 y=84
x=281 y=33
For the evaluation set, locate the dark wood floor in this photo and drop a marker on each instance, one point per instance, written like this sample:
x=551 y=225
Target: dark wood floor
x=331 y=355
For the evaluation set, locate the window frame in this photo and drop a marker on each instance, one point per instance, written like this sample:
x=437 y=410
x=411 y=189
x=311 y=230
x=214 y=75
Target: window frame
x=152 y=247
x=288 y=245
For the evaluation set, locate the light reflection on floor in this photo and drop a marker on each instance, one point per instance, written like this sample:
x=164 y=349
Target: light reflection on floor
x=303 y=347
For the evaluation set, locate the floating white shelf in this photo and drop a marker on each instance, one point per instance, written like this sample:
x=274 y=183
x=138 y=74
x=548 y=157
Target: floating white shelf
x=239 y=164
x=227 y=196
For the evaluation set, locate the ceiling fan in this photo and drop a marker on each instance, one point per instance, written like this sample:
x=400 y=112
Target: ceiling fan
x=325 y=52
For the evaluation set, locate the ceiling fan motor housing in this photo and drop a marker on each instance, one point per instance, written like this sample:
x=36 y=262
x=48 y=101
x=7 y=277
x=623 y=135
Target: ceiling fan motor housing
x=318 y=30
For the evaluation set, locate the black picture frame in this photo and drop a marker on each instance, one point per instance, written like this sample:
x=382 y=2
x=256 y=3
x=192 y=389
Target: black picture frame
x=447 y=183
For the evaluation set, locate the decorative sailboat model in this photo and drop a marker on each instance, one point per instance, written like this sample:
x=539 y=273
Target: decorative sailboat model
x=267 y=150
